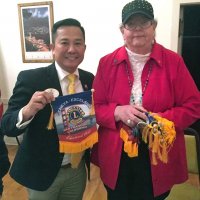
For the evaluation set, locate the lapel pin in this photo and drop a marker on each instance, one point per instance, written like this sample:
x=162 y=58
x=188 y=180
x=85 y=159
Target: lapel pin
x=86 y=87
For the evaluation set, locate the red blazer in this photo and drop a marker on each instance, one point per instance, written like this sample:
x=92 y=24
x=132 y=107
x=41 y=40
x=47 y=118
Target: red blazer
x=171 y=92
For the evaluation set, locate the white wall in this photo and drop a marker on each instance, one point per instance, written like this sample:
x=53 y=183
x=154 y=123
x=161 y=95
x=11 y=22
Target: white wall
x=101 y=20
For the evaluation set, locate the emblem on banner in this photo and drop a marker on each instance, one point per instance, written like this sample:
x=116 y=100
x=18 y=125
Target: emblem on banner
x=75 y=115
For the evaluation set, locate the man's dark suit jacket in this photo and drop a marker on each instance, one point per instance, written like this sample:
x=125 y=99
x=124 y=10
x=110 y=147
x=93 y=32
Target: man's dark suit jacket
x=38 y=160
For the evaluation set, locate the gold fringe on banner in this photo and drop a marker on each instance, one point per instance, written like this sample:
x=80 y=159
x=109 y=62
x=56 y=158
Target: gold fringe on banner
x=159 y=134
x=131 y=148
x=75 y=147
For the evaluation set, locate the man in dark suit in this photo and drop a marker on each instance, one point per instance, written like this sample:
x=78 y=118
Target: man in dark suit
x=38 y=164
x=4 y=160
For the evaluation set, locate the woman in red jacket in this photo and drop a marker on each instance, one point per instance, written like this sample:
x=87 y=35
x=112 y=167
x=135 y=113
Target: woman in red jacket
x=140 y=77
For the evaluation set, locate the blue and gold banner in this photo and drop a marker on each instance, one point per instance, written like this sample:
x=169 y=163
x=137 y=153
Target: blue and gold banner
x=75 y=121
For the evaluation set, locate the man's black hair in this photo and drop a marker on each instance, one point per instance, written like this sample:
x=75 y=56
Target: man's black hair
x=66 y=22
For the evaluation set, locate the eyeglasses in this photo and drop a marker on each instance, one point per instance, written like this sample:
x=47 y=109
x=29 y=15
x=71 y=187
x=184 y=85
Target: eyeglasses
x=143 y=25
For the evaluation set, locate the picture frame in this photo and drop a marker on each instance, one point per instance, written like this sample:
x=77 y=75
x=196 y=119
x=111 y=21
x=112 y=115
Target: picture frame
x=35 y=23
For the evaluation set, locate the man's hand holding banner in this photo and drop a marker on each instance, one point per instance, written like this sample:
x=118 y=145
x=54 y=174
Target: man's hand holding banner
x=75 y=122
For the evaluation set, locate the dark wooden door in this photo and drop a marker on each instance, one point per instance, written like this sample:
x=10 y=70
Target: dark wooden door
x=190 y=42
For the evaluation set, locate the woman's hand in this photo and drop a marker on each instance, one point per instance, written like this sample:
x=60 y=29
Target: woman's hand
x=131 y=115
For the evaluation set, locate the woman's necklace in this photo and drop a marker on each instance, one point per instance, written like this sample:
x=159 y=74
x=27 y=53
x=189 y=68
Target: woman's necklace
x=132 y=98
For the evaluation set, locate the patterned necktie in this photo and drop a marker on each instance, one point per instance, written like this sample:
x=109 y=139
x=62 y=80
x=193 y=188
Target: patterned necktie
x=75 y=157
x=71 y=86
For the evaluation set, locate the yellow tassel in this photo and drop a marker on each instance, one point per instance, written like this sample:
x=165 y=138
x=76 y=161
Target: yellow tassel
x=50 y=124
x=129 y=147
x=164 y=154
x=168 y=129
x=92 y=110
x=159 y=153
x=159 y=135
x=145 y=134
x=150 y=139
x=154 y=160
x=155 y=143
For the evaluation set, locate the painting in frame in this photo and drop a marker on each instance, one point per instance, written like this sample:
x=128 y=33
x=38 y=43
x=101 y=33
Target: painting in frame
x=35 y=22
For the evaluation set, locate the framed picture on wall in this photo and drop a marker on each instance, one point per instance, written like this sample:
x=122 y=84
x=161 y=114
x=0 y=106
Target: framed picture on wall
x=35 y=22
